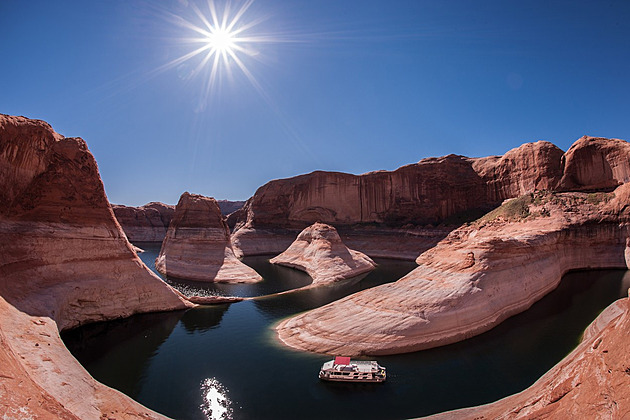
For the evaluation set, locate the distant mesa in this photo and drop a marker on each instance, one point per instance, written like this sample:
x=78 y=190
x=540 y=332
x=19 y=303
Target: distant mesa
x=149 y=223
x=414 y=200
x=319 y=251
x=197 y=245
x=227 y=206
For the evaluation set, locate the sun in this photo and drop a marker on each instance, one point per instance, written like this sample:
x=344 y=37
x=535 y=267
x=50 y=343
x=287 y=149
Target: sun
x=221 y=39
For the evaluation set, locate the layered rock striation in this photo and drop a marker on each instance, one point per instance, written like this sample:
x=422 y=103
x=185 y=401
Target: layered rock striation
x=596 y=164
x=65 y=262
x=590 y=383
x=479 y=275
x=319 y=251
x=197 y=245
x=435 y=191
x=147 y=223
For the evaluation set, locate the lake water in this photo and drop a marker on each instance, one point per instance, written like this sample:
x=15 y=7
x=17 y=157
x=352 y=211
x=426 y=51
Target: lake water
x=224 y=361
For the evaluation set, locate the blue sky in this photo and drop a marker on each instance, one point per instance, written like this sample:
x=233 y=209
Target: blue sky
x=340 y=85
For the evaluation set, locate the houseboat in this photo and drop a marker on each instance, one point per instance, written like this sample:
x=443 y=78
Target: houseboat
x=343 y=369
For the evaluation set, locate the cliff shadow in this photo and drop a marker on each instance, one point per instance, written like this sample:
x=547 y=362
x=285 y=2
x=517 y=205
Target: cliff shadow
x=281 y=305
x=204 y=318
x=127 y=345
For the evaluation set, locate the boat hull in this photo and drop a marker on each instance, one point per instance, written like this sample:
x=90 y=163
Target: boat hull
x=362 y=381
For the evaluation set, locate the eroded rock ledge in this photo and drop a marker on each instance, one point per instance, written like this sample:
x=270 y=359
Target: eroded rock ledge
x=197 y=245
x=440 y=191
x=592 y=382
x=319 y=251
x=65 y=262
x=474 y=278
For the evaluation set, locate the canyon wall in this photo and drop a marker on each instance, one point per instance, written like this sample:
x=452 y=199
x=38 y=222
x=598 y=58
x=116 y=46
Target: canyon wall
x=197 y=245
x=592 y=382
x=147 y=223
x=228 y=206
x=474 y=278
x=435 y=191
x=65 y=262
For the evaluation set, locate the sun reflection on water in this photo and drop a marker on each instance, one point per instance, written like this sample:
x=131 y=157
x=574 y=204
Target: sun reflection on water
x=216 y=405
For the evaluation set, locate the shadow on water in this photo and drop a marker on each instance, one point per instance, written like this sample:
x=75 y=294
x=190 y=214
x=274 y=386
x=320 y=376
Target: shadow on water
x=275 y=278
x=234 y=348
x=282 y=305
x=204 y=318
x=127 y=345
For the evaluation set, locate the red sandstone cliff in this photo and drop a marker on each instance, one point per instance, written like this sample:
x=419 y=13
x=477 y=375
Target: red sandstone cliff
x=197 y=245
x=429 y=191
x=64 y=261
x=448 y=190
x=595 y=163
x=475 y=278
x=147 y=223
x=592 y=382
x=228 y=206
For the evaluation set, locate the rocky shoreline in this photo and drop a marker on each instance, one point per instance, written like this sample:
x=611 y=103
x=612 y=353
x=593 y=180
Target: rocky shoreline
x=472 y=280
x=66 y=261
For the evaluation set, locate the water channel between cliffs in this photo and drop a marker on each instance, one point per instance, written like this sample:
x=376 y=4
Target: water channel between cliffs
x=181 y=363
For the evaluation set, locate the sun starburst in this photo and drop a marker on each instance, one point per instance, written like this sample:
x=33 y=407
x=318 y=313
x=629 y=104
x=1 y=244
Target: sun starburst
x=220 y=40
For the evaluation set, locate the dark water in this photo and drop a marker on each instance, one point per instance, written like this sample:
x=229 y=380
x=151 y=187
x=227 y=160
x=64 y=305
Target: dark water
x=170 y=362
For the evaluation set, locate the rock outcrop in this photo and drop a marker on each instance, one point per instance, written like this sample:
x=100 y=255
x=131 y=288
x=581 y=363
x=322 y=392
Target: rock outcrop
x=319 y=251
x=65 y=262
x=227 y=206
x=596 y=164
x=590 y=383
x=448 y=190
x=530 y=167
x=197 y=245
x=147 y=223
x=474 y=278
x=428 y=192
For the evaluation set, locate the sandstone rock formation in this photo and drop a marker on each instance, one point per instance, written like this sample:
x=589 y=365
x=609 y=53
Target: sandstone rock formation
x=447 y=190
x=65 y=261
x=590 y=383
x=227 y=206
x=530 y=167
x=147 y=223
x=474 y=278
x=197 y=245
x=318 y=250
x=595 y=163
x=428 y=192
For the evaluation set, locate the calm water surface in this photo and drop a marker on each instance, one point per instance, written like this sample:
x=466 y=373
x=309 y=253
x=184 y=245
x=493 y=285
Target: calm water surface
x=223 y=361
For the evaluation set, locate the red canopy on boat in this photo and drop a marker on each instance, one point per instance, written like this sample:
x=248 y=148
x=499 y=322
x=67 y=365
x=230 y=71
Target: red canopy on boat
x=339 y=360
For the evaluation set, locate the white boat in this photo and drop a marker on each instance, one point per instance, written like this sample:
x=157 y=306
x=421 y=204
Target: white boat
x=343 y=369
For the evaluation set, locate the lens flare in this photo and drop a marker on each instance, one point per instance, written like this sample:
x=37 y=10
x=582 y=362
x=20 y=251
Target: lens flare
x=219 y=40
